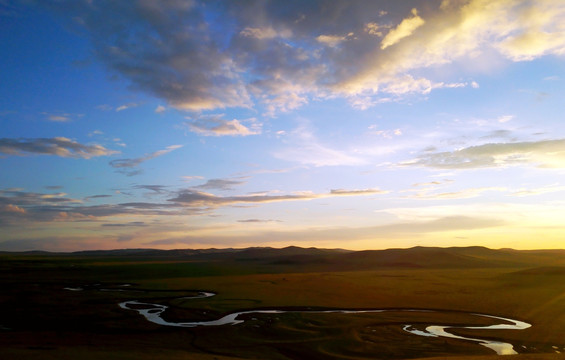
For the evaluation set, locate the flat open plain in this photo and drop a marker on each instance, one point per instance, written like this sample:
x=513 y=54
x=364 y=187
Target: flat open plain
x=65 y=306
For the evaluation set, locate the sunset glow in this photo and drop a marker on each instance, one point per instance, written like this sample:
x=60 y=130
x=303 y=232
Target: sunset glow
x=335 y=124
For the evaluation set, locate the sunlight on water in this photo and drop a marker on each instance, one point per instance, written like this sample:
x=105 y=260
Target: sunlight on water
x=152 y=312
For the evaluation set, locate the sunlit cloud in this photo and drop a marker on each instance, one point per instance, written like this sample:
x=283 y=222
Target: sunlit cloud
x=263 y=33
x=461 y=31
x=235 y=82
x=61 y=117
x=59 y=146
x=194 y=198
x=215 y=125
x=335 y=234
x=333 y=40
x=283 y=59
x=461 y=194
x=404 y=29
x=345 y=192
x=538 y=191
x=544 y=154
x=12 y=209
x=18 y=206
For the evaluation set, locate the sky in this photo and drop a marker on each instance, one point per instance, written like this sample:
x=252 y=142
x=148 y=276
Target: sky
x=336 y=124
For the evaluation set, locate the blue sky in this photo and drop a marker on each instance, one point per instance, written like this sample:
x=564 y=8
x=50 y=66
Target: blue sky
x=350 y=124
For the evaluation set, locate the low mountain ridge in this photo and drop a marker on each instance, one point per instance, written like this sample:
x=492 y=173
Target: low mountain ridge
x=316 y=259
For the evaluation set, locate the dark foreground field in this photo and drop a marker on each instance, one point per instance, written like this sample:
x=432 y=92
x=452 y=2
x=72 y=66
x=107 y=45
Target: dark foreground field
x=65 y=306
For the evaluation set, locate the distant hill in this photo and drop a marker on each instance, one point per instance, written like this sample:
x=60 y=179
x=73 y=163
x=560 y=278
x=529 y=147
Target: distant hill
x=314 y=259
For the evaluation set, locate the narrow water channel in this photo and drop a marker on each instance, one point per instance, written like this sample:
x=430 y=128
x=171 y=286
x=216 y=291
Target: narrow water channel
x=152 y=312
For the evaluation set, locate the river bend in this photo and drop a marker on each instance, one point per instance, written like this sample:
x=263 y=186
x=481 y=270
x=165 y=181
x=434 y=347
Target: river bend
x=152 y=312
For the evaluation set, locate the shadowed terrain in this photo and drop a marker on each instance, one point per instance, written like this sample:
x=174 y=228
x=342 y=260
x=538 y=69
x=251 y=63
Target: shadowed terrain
x=65 y=305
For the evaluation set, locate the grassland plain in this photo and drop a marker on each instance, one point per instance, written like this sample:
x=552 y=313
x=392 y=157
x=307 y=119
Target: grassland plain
x=64 y=306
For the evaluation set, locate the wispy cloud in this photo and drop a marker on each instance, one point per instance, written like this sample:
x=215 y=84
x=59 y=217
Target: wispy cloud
x=537 y=190
x=336 y=234
x=219 y=184
x=345 y=192
x=545 y=153
x=127 y=106
x=193 y=198
x=158 y=189
x=258 y=221
x=129 y=224
x=59 y=146
x=125 y=164
x=303 y=147
x=192 y=177
x=100 y=196
x=61 y=117
x=19 y=206
x=215 y=125
x=460 y=194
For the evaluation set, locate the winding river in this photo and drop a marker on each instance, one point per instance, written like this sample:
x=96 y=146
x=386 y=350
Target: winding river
x=152 y=312
x=501 y=348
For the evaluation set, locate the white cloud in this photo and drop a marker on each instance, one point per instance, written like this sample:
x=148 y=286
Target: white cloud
x=58 y=118
x=126 y=106
x=505 y=118
x=95 y=132
x=389 y=134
